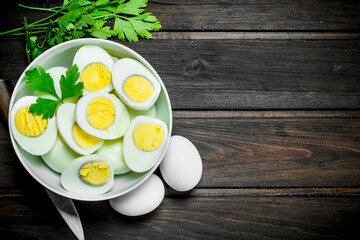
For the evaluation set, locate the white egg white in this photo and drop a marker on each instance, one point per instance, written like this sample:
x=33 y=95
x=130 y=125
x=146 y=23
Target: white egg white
x=34 y=145
x=136 y=159
x=127 y=67
x=65 y=122
x=93 y=54
x=59 y=156
x=113 y=149
x=71 y=181
x=118 y=127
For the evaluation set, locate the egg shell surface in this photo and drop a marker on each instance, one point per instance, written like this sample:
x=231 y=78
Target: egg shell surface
x=136 y=159
x=181 y=166
x=127 y=67
x=118 y=127
x=142 y=200
x=93 y=54
x=65 y=122
x=151 y=112
x=71 y=181
x=113 y=149
x=59 y=156
x=33 y=145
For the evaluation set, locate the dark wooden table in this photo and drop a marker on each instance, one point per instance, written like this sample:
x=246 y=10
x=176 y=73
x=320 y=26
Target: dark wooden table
x=268 y=91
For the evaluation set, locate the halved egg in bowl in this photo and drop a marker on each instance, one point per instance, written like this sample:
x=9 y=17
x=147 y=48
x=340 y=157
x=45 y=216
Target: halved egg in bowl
x=63 y=55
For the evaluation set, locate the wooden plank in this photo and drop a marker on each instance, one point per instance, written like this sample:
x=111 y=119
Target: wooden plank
x=246 y=150
x=210 y=15
x=189 y=217
x=255 y=35
x=242 y=74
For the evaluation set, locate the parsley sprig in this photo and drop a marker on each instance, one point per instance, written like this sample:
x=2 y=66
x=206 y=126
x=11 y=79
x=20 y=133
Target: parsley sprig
x=87 y=18
x=39 y=80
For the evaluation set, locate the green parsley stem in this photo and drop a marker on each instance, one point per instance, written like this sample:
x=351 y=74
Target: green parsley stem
x=35 y=8
x=44 y=19
x=35 y=32
x=34 y=24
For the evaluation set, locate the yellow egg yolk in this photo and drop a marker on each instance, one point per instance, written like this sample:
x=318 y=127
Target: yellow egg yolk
x=148 y=136
x=95 y=173
x=82 y=138
x=138 y=88
x=100 y=113
x=29 y=124
x=95 y=77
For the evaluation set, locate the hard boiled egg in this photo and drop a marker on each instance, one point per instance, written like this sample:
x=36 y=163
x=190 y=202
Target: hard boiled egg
x=59 y=156
x=95 y=66
x=74 y=136
x=144 y=143
x=142 y=200
x=34 y=134
x=88 y=175
x=113 y=149
x=181 y=166
x=102 y=115
x=151 y=112
x=136 y=86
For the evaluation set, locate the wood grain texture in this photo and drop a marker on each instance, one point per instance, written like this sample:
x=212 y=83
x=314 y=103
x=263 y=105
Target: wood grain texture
x=195 y=217
x=242 y=74
x=278 y=150
x=210 y=15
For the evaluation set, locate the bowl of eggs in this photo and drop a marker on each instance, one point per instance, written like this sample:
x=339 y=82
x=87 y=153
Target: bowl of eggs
x=102 y=143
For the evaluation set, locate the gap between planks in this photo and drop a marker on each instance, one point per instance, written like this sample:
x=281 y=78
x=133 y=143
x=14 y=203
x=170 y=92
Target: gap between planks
x=265 y=114
x=254 y=35
x=241 y=192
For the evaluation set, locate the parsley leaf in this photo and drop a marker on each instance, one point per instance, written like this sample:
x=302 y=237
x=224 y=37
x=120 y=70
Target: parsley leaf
x=87 y=18
x=38 y=80
x=124 y=30
x=44 y=106
x=133 y=7
x=68 y=85
x=101 y=32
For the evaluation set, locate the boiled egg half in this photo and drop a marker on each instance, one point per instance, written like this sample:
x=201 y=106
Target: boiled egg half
x=95 y=66
x=144 y=143
x=88 y=175
x=75 y=137
x=135 y=85
x=33 y=133
x=102 y=115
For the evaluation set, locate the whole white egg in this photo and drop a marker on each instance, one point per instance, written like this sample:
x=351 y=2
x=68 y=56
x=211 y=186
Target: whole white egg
x=121 y=119
x=181 y=166
x=92 y=54
x=71 y=181
x=151 y=112
x=113 y=149
x=59 y=156
x=142 y=200
x=65 y=122
x=137 y=159
x=36 y=145
x=126 y=68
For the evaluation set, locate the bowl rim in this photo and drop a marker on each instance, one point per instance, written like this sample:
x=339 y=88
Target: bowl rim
x=87 y=41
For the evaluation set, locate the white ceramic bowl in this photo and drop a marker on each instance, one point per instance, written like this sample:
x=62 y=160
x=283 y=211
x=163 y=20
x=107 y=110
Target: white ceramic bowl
x=62 y=55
